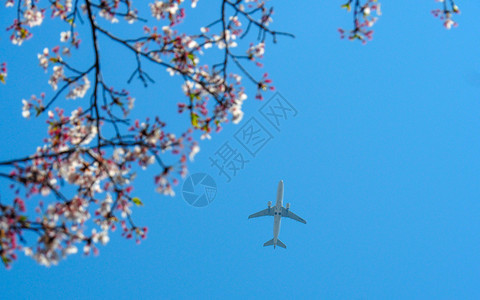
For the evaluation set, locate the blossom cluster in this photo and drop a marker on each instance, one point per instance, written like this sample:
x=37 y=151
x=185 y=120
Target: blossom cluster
x=365 y=15
x=181 y=53
x=83 y=173
x=29 y=15
x=97 y=174
x=446 y=13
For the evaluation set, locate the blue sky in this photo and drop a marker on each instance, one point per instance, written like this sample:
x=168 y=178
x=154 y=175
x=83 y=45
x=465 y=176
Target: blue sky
x=381 y=160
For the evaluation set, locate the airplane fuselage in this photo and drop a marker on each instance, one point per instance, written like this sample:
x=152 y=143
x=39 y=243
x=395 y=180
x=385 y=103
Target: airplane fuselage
x=277 y=213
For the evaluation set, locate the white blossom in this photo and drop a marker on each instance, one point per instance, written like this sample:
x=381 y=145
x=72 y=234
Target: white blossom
x=43 y=59
x=158 y=8
x=26 y=108
x=33 y=17
x=194 y=151
x=64 y=36
x=131 y=17
x=167 y=30
x=79 y=90
x=257 y=50
x=57 y=75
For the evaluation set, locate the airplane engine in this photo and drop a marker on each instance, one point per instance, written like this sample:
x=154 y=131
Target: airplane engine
x=269 y=203
x=288 y=205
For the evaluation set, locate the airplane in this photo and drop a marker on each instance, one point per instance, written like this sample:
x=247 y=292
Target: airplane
x=278 y=211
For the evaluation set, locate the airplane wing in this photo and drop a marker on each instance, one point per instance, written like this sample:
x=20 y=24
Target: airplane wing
x=262 y=213
x=289 y=214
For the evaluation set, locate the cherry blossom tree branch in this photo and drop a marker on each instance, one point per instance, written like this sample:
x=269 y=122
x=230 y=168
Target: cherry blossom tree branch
x=446 y=14
x=366 y=13
x=83 y=174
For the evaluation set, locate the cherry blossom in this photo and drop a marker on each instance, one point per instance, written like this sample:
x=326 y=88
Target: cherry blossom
x=65 y=36
x=79 y=182
x=79 y=90
x=26 y=109
x=365 y=15
x=43 y=59
x=256 y=50
x=446 y=13
x=3 y=72
x=33 y=17
x=56 y=77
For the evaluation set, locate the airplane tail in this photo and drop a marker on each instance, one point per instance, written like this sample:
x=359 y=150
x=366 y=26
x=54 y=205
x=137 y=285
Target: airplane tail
x=279 y=243
x=269 y=243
